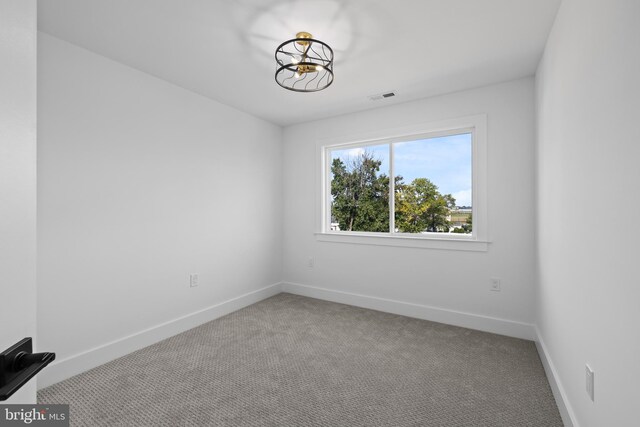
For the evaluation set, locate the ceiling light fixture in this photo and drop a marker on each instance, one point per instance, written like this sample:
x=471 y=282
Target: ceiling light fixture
x=304 y=64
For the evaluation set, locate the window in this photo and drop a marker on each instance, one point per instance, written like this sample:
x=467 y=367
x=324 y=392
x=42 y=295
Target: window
x=425 y=185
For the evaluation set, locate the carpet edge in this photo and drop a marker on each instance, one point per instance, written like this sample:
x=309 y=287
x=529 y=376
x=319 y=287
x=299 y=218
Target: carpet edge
x=478 y=322
x=73 y=365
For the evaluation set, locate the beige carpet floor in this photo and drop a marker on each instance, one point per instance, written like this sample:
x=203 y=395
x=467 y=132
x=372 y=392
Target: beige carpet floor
x=296 y=361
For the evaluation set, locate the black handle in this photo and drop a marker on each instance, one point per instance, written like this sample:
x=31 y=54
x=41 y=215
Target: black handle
x=18 y=365
x=23 y=360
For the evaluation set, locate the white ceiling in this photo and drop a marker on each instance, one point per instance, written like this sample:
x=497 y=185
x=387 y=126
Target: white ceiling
x=224 y=49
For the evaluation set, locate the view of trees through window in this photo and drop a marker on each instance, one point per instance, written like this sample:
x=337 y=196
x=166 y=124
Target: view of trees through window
x=432 y=186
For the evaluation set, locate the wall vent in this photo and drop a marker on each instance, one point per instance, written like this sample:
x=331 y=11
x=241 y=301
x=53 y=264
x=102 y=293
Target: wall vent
x=382 y=96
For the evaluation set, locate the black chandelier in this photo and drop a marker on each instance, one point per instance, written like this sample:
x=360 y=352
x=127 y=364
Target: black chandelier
x=304 y=64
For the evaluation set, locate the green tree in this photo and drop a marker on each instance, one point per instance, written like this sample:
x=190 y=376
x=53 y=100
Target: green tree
x=466 y=228
x=360 y=199
x=420 y=207
x=360 y=195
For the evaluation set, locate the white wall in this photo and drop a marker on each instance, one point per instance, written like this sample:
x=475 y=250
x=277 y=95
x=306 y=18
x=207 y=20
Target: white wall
x=18 y=178
x=141 y=183
x=451 y=280
x=588 y=105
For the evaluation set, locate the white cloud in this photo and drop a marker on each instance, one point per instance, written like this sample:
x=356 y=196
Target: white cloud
x=463 y=197
x=355 y=152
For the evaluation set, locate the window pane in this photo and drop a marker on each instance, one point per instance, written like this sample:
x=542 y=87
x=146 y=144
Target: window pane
x=360 y=188
x=433 y=185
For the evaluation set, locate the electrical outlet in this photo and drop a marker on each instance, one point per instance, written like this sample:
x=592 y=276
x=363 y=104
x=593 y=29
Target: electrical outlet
x=589 y=379
x=310 y=262
x=495 y=284
x=193 y=280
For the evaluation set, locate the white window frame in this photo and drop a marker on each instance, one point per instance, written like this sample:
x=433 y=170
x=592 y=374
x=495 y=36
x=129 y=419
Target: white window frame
x=476 y=241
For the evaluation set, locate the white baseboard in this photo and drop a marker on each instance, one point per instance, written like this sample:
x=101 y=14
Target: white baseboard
x=78 y=363
x=566 y=412
x=457 y=318
x=81 y=362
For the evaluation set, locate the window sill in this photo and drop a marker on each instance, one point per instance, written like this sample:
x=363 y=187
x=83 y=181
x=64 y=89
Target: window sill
x=461 y=243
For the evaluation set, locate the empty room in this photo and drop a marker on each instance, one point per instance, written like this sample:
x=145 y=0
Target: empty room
x=319 y=213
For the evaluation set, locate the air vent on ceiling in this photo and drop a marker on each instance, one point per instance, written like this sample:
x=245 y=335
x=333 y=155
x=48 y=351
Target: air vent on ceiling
x=382 y=96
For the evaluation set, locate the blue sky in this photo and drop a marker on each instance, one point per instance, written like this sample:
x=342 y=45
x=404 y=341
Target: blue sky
x=446 y=161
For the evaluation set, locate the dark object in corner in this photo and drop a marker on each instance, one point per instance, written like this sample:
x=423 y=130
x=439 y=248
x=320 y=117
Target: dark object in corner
x=18 y=365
